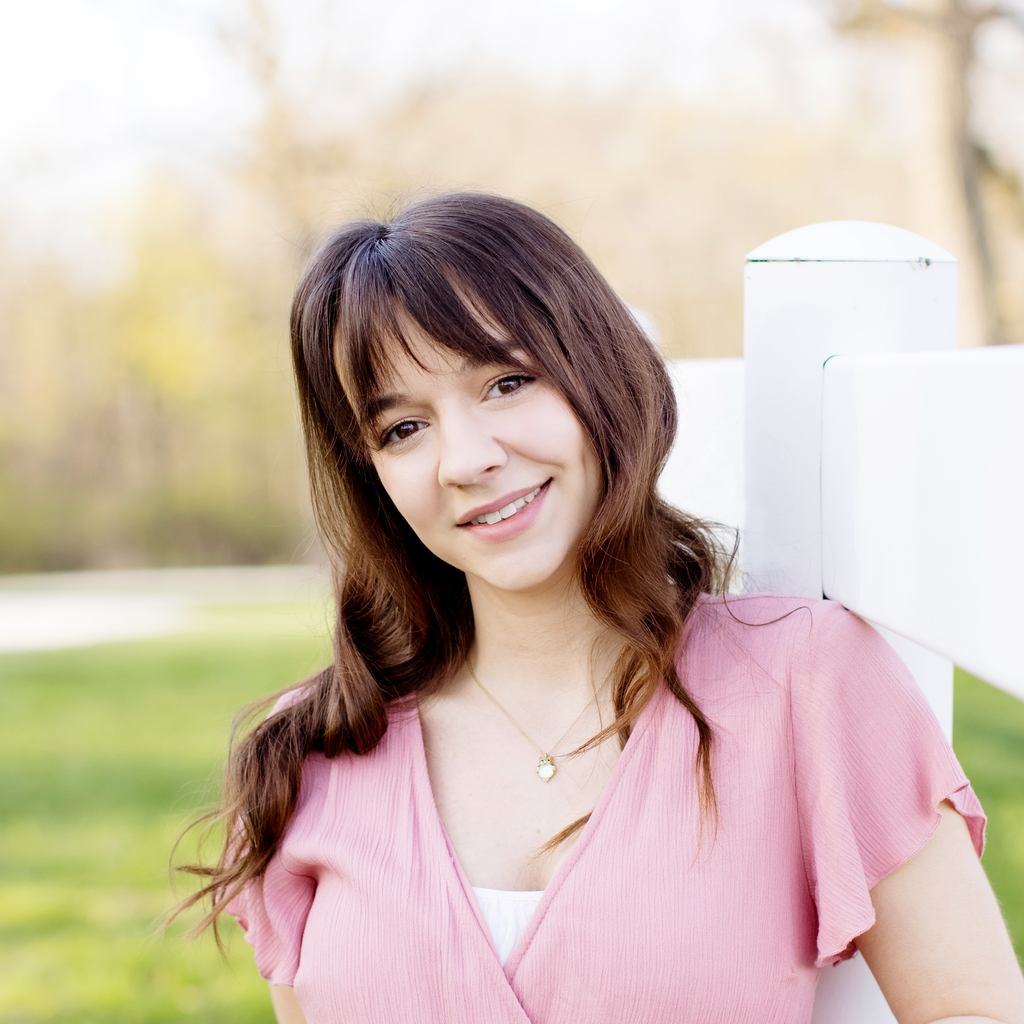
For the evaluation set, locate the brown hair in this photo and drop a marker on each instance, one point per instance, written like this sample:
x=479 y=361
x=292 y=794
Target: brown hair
x=468 y=270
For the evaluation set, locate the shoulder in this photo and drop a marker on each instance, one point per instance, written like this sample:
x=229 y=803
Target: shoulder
x=400 y=711
x=759 y=619
x=348 y=777
x=827 y=664
x=289 y=698
x=779 y=623
x=781 y=611
x=762 y=642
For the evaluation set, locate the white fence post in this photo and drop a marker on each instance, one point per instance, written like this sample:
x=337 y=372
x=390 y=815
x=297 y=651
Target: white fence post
x=852 y=288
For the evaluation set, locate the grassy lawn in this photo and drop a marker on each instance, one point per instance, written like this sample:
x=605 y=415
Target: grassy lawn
x=106 y=751
x=988 y=736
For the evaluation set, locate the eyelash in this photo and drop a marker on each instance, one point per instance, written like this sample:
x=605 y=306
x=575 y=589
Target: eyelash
x=522 y=378
x=385 y=441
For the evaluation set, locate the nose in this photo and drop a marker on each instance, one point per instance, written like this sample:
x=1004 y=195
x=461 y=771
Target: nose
x=469 y=450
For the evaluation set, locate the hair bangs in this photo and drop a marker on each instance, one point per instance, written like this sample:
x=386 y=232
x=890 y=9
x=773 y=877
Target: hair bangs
x=394 y=295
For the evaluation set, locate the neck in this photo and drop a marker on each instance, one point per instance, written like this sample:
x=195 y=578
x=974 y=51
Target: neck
x=531 y=645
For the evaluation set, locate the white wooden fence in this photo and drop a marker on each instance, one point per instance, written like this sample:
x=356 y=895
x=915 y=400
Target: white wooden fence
x=869 y=461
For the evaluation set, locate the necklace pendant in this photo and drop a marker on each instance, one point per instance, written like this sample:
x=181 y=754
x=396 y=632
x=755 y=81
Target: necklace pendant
x=546 y=768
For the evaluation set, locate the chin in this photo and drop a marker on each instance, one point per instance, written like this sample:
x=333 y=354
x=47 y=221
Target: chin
x=517 y=582
x=522 y=574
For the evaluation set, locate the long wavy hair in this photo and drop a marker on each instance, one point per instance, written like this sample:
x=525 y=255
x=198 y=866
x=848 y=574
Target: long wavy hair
x=493 y=281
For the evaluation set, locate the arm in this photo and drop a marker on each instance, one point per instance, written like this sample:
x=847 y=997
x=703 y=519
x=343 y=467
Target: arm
x=286 y=1006
x=939 y=949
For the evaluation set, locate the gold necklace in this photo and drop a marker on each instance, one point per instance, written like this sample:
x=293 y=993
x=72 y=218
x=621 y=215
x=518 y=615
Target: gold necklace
x=546 y=766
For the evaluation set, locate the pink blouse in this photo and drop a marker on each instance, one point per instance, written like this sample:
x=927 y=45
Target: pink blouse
x=828 y=768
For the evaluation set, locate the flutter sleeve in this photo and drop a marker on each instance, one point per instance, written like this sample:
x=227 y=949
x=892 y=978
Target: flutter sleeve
x=272 y=911
x=872 y=765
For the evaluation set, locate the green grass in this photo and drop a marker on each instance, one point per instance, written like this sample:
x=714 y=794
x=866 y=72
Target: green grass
x=106 y=751
x=988 y=737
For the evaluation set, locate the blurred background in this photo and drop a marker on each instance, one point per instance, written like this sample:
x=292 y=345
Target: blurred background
x=166 y=166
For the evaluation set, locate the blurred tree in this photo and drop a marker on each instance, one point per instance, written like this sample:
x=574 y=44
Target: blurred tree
x=150 y=420
x=953 y=25
x=150 y=423
x=659 y=191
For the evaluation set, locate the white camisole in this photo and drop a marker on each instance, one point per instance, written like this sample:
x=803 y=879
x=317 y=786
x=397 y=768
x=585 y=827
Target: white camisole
x=507 y=915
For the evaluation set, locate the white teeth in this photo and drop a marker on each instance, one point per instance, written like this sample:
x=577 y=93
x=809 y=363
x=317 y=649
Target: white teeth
x=509 y=510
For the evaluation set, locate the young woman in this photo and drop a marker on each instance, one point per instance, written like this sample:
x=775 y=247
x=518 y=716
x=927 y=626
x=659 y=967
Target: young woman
x=553 y=773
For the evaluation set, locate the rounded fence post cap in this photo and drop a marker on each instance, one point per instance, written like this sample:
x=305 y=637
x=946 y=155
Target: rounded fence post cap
x=849 y=241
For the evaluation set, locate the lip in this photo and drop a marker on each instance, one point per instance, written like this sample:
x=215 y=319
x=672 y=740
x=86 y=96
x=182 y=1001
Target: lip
x=507 y=529
x=499 y=503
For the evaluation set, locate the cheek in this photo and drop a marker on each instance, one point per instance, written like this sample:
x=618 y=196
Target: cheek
x=406 y=491
x=549 y=427
x=558 y=439
x=565 y=441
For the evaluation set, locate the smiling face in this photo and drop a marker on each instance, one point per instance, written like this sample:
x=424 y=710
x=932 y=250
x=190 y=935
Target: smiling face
x=488 y=465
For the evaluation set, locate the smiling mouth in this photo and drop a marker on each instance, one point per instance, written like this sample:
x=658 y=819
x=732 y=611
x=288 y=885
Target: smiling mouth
x=508 y=511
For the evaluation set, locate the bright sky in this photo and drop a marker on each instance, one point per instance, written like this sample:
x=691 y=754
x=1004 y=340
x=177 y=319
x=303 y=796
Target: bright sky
x=97 y=91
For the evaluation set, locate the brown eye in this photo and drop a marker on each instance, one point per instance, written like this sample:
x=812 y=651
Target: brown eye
x=400 y=431
x=510 y=384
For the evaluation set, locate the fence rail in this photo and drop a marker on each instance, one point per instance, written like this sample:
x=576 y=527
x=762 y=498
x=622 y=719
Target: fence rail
x=922 y=498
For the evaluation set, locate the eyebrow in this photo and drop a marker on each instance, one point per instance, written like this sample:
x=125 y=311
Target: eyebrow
x=380 y=404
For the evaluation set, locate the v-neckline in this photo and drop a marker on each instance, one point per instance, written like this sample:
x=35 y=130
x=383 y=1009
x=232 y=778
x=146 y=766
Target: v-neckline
x=425 y=794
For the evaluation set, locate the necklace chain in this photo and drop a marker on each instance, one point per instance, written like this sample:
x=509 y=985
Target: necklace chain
x=546 y=767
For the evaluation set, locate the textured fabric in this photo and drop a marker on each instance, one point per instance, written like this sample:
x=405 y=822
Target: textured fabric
x=828 y=769
x=507 y=914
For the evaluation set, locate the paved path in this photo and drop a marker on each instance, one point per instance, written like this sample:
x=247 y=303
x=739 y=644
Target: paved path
x=51 y=610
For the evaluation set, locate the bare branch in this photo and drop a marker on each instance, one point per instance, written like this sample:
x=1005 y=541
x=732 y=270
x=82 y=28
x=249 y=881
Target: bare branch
x=953 y=26
x=1007 y=180
x=878 y=18
x=1010 y=14
x=250 y=41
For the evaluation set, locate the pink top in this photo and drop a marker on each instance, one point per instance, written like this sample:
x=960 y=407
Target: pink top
x=828 y=769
